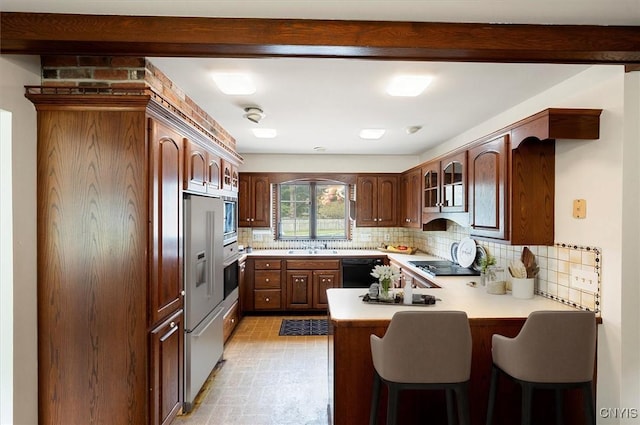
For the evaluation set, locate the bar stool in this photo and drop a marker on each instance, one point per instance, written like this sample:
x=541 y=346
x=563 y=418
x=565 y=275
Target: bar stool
x=423 y=350
x=554 y=350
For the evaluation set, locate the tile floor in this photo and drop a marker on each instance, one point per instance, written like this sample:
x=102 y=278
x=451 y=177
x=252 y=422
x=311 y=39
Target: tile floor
x=265 y=379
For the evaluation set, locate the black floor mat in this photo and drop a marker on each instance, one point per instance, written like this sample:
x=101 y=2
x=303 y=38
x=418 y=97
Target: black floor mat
x=301 y=327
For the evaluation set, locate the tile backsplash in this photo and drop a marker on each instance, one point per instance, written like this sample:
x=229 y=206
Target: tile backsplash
x=555 y=262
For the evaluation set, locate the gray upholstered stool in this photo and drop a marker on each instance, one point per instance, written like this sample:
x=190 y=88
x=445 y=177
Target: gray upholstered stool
x=554 y=350
x=423 y=350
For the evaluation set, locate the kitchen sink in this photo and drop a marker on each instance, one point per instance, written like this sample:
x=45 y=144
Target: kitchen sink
x=312 y=251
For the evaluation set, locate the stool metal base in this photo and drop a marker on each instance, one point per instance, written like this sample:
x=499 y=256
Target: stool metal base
x=527 y=395
x=459 y=389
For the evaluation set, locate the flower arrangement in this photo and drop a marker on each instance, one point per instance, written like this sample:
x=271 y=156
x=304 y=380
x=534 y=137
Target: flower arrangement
x=385 y=275
x=486 y=262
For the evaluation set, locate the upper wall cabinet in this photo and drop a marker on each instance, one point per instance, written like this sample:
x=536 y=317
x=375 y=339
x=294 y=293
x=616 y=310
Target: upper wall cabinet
x=444 y=190
x=487 y=188
x=410 y=205
x=376 y=200
x=512 y=176
x=202 y=169
x=254 y=200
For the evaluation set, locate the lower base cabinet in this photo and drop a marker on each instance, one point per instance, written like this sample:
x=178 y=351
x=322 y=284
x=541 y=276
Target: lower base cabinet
x=281 y=283
x=230 y=321
x=308 y=281
x=166 y=369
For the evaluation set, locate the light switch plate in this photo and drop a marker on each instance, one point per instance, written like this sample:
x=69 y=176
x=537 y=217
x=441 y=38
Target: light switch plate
x=579 y=208
x=584 y=280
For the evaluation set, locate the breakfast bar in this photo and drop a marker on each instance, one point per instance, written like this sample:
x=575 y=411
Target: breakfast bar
x=351 y=369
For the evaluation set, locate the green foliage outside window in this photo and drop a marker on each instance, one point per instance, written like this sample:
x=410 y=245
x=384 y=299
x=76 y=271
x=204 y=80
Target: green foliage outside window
x=312 y=210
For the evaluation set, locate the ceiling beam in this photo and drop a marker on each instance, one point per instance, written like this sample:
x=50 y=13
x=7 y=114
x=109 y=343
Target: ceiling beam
x=50 y=34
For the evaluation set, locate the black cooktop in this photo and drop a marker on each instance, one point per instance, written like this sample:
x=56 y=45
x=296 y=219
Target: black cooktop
x=444 y=268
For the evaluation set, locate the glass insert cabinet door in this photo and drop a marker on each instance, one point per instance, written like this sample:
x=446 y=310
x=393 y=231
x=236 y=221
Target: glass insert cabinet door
x=453 y=185
x=431 y=192
x=444 y=187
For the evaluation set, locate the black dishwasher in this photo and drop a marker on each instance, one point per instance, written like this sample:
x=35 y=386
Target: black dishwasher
x=356 y=272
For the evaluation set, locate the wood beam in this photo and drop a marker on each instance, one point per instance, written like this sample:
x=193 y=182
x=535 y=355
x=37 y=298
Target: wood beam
x=55 y=34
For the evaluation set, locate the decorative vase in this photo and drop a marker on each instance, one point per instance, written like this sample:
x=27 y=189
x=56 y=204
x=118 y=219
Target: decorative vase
x=385 y=292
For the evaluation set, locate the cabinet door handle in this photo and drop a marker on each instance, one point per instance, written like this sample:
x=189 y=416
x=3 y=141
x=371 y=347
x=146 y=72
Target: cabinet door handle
x=172 y=324
x=182 y=293
x=267 y=299
x=267 y=265
x=266 y=280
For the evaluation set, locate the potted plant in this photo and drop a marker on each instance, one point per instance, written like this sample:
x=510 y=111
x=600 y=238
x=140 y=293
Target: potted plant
x=486 y=264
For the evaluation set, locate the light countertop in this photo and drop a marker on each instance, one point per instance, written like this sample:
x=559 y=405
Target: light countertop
x=454 y=293
x=299 y=252
x=345 y=304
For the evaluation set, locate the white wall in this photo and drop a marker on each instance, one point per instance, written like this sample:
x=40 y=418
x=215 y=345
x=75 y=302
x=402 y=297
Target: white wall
x=6 y=272
x=630 y=293
x=15 y=73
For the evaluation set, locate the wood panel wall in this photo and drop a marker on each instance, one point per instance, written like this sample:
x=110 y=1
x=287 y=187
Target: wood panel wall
x=92 y=234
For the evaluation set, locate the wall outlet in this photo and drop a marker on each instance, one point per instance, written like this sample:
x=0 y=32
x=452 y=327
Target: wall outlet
x=386 y=237
x=584 y=280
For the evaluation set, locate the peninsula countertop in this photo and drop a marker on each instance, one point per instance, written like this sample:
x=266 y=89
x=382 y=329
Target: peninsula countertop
x=345 y=304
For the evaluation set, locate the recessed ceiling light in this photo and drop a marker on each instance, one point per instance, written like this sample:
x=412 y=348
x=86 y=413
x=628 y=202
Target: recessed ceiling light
x=408 y=85
x=372 y=133
x=234 y=83
x=319 y=148
x=264 y=133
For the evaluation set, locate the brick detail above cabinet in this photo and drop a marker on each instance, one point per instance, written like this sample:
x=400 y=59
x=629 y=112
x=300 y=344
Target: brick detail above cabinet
x=129 y=72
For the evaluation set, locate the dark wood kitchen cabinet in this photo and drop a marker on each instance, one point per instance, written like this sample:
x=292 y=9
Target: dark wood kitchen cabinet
x=410 y=194
x=299 y=289
x=487 y=190
x=254 y=200
x=444 y=189
x=267 y=293
x=167 y=351
x=308 y=281
x=201 y=169
x=110 y=179
x=323 y=280
x=376 y=200
x=165 y=204
x=512 y=176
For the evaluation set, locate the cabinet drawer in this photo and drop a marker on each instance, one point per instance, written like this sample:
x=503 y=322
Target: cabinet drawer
x=230 y=321
x=267 y=299
x=267 y=264
x=313 y=264
x=267 y=279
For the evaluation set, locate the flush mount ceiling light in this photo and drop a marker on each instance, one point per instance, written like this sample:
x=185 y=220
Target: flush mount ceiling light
x=254 y=114
x=408 y=85
x=234 y=83
x=264 y=133
x=372 y=133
